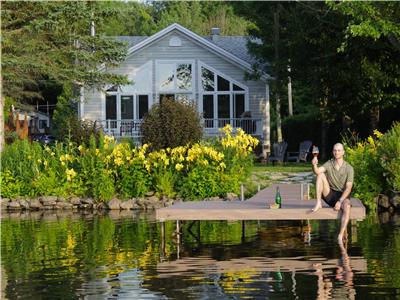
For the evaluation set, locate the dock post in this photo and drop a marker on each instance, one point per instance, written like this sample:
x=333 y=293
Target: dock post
x=354 y=236
x=243 y=231
x=178 y=238
x=241 y=192
x=162 y=241
x=301 y=192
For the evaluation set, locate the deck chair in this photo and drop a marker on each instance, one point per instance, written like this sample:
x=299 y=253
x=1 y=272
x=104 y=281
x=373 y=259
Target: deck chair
x=301 y=155
x=279 y=150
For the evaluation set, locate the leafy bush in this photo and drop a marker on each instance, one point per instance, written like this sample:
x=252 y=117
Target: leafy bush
x=389 y=156
x=171 y=124
x=369 y=181
x=103 y=169
x=67 y=127
x=376 y=163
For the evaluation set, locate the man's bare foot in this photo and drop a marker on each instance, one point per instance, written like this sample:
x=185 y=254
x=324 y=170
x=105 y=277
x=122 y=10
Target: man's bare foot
x=317 y=207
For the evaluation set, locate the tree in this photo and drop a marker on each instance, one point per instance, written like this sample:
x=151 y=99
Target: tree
x=49 y=43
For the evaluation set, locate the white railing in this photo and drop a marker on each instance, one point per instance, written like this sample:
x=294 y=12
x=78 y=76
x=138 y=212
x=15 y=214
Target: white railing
x=132 y=128
x=249 y=125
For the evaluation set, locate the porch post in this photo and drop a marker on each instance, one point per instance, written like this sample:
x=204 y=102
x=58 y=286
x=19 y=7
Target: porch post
x=81 y=102
x=266 y=146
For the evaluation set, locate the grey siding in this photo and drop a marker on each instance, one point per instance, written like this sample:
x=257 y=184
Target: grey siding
x=190 y=50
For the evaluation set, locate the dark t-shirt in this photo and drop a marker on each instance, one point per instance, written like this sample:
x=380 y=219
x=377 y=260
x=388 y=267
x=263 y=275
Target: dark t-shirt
x=338 y=178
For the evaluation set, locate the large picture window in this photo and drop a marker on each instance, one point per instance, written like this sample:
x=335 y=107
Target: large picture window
x=222 y=97
x=175 y=80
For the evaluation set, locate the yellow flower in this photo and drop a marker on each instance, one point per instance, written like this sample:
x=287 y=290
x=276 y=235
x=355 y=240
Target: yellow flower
x=81 y=148
x=377 y=133
x=178 y=167
x=97 y=152
x=39 y=161
x=70 y=174
x=52 y=153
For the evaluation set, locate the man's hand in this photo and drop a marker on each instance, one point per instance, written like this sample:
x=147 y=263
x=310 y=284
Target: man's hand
x=314 y=161
x=338 y=205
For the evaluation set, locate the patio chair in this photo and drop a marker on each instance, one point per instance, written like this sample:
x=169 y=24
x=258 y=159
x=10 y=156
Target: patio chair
x=301 y=155
x=279 y=150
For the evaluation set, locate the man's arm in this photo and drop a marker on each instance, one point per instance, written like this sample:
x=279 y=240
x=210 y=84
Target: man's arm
x=317 y=170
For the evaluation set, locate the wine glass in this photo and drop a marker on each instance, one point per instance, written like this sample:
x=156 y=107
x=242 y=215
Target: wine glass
x=315 y=151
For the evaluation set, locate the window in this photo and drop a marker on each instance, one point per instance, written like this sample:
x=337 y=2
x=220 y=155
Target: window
x=111 y=107
x=126 y=107
x=222 y=98
x=175 y=80
x=42 y=124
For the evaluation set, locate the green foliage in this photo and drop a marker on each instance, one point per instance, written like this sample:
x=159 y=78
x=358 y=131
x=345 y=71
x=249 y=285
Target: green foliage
x=389 y=156
x=104 y=169
x=201 y=183
x=368 y=182
x=376 y=164
x=171 y=124
x=10 y=186
x=39 y=47
x=68 y=127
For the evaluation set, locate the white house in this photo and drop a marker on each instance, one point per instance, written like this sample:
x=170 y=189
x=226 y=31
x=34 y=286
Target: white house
x=176 y=62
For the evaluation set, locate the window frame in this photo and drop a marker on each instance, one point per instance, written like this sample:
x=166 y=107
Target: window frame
x=175 y=90
x=215 y=93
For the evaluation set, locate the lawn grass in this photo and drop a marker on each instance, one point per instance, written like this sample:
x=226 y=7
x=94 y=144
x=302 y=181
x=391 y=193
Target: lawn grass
x=282 y=167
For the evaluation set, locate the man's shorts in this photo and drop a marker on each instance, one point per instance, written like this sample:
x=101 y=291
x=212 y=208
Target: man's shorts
x=332 y=197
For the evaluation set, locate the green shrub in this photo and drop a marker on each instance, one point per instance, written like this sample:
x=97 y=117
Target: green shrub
x=10 y=186
x=368 y=181
x=171 y=124
x=67 y=126
x=389 y=156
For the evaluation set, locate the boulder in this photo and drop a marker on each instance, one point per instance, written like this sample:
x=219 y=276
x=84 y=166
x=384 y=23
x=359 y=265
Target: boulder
x=395 y=201
x=129 y=204
x=383 y=201
x=4 y=203
x=149 y=194
x=231 y=197
x=48 y=200
x=24 y=204
x=87 y=201
x=64 y=205
x=35 y=204
x=14 y=204
x=114 y=204
x=75 y=201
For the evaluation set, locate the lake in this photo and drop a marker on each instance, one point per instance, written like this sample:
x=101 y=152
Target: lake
x=53 y=255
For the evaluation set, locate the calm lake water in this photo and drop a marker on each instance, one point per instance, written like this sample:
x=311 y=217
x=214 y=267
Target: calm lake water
x=73 y=256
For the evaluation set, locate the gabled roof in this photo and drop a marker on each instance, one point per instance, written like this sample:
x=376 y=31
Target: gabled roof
x=233 y=48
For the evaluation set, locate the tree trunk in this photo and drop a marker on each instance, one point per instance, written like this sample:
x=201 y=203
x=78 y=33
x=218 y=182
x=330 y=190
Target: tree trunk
x=374 y=118
x=277 y=83
x=324 y=128
x=289 y=88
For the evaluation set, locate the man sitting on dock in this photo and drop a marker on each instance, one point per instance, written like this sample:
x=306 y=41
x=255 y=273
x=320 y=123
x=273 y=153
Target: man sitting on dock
x=334 y=184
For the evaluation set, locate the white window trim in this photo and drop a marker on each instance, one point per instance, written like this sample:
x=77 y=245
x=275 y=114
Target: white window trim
x=215 y=93
x=174 y=91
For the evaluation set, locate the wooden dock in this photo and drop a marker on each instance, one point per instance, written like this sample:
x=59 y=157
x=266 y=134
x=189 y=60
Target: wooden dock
x=257 y=208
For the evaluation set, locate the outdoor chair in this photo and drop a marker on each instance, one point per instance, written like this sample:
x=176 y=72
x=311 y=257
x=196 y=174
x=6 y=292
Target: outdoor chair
x=279 y=150
x=301 y=155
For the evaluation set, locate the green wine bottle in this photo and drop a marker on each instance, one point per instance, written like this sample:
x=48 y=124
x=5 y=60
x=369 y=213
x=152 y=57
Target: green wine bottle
x=278 y=198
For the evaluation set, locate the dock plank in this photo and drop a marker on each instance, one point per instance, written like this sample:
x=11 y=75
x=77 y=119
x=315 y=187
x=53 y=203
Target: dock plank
x=257 y=208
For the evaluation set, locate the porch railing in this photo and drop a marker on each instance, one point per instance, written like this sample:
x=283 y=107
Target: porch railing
x=132 y=128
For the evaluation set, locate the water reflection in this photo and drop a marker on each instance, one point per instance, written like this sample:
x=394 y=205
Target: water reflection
x=130 y=256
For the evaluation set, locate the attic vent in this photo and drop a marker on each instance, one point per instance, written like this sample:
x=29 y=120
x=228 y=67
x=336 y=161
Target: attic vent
x=175 y=42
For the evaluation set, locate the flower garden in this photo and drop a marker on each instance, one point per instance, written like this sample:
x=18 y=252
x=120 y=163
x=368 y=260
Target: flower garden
x=106 y=169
